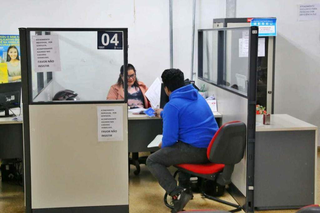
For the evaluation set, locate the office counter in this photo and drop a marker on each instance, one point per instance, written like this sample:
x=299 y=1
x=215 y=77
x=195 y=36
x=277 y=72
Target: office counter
x=11 y=143
x=285 y=163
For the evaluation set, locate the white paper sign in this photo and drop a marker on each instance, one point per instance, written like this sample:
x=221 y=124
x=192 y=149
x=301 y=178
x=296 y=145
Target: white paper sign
x=243 y=47
x=46 y=53
x=110 y=123
x=212 y=104
x=308 y=12
x=261 y=47
x=245 y=34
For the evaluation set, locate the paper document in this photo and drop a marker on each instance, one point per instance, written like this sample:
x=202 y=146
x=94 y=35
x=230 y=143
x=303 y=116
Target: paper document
x=212 y=105
x=243 y=47
x=156 y=141
x=136 y=110
x=153 y=93
x=110 y=123
x=261 y=47
x=308 y=12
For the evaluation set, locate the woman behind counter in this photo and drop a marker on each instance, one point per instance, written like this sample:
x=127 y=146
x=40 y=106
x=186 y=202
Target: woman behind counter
x=136 y=89
x=13 y=64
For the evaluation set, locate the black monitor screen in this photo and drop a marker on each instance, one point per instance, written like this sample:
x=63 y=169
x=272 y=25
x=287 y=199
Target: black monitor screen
x=9 y=97
x=163 y=97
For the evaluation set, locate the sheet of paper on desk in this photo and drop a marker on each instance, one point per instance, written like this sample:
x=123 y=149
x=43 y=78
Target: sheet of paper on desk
x=153 y=93
x=136 y=110
x=156 y=141
x=212 y=104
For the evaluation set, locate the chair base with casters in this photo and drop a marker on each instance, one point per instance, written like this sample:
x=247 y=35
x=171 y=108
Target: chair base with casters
x=224 y=151
x=136 y=161
x=202 y=190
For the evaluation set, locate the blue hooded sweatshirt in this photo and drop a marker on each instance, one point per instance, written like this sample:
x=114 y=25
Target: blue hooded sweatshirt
x=187 y=118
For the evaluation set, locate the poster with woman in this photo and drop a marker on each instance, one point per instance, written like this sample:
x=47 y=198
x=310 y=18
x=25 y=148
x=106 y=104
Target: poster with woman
x=10 y=67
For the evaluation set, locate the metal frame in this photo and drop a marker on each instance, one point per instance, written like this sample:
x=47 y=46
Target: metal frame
x=225 y=21
x=221 y=58
x=251 y=96
x=27 y=92
x=251 y=123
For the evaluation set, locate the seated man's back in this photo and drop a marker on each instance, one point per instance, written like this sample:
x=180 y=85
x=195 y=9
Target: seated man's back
x=188 y=118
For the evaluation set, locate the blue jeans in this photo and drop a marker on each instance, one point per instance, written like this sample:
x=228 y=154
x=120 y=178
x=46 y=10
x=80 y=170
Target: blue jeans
x=179 y=153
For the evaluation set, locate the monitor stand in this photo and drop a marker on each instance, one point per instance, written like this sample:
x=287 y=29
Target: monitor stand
x=7 y=114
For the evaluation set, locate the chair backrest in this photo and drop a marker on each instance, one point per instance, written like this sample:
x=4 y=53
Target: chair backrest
x=228 y=144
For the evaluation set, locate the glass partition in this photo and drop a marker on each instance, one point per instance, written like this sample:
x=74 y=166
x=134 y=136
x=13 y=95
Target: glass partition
x=75 y=65
x=224 y=58
x=210 y=48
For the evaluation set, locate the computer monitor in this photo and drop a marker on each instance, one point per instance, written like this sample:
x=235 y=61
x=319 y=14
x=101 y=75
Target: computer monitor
x=163 y=97
x=10 y=94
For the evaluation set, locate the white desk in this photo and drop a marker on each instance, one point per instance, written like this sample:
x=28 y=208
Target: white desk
x=285 y=163
x=131 y=116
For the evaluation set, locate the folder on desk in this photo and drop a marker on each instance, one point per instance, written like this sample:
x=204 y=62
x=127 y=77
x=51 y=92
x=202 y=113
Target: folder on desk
x=156 y=141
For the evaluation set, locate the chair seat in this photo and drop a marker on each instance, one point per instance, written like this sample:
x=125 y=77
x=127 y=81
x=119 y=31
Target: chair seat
x=205 y=169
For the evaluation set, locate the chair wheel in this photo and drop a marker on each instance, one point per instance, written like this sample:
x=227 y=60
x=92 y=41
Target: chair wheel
x=168 y=204
x=137 y=172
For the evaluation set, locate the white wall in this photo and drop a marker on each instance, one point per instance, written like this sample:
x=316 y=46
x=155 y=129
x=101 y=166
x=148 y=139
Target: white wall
x=206 y=11
x=297 y=65
x=147 y=21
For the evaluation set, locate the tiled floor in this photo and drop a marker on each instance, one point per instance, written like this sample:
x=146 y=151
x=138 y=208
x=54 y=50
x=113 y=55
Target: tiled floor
x=145 y=196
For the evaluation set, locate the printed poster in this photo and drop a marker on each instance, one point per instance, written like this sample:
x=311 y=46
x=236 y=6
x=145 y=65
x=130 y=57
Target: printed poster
x=10 y=66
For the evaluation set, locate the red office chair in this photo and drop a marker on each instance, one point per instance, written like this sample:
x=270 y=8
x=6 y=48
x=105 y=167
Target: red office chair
x=310 y=209
x=224 y=151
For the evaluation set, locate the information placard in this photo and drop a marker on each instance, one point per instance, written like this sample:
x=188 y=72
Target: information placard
x=46 y=53
x=110 y=123
x=308 y=12
x=267 y=26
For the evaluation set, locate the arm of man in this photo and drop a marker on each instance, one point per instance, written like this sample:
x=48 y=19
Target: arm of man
x=170 y=126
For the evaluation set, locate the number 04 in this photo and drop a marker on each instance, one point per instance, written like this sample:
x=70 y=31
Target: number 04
x=105 y=39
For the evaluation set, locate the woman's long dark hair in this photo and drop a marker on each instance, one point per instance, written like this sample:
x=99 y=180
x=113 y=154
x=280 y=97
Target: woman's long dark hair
x=129 y=67
x=8 y=57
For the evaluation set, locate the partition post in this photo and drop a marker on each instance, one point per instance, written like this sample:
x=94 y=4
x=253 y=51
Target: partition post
x=251 y=124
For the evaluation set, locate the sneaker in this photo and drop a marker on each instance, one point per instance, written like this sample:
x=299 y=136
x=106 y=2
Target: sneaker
x=180 y=200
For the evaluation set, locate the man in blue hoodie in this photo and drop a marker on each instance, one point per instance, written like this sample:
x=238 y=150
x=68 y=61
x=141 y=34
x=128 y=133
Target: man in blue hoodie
x=188 y=127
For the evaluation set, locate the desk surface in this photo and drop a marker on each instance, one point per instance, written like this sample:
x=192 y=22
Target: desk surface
x=142 y=117
x=283 y=122
x=10 y=120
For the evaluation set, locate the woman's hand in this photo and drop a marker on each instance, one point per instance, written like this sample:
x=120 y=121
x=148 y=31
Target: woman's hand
x=160 y=144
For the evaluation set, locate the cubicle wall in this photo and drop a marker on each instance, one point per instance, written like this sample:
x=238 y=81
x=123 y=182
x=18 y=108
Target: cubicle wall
x=76 y=148
x=69 y=166
x=232 y=107
x=227 y=64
